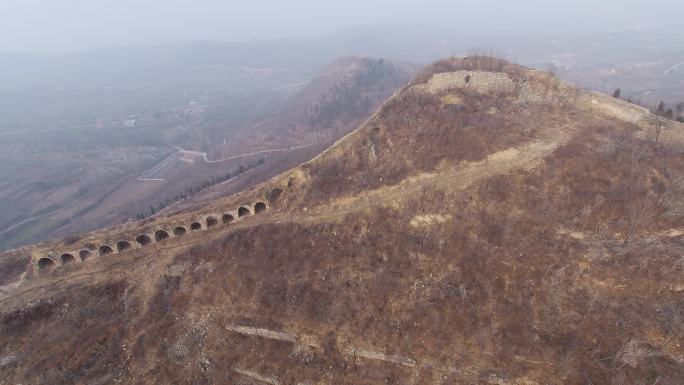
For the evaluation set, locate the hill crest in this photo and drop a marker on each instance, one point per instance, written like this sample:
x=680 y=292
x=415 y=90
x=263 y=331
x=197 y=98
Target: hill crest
x=475 y=76
x=470 y=231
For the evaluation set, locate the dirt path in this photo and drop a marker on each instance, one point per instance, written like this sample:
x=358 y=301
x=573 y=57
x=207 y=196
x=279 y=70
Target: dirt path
x=502 y=162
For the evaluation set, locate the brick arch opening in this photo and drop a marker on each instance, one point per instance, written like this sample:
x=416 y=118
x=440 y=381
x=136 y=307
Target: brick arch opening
x=211 y=222
x=123 y=246
x=143 y=240
x=67 y=258
x=259 y=207
x=227 y=218
x=243 y=212
x=84 y=254
x=179 y=230
x=105 y=250
x=195 y=226
x=46 y=264
x=160 y=235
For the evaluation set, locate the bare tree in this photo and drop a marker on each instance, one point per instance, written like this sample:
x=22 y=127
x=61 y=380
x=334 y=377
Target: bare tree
x=679 y=108
x=635 y=351
x=616 y=93
x=552 y=68
x=640 y=213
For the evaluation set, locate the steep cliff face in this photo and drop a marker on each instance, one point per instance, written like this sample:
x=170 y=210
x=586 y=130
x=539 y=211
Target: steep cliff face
x=488 y=224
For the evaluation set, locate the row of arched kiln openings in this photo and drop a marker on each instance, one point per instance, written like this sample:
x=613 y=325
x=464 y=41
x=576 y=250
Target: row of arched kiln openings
x=143 y=240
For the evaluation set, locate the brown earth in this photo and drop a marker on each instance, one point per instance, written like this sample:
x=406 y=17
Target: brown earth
x=478 y=229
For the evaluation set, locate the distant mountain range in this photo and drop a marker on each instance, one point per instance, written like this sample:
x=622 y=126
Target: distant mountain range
x=420 y=43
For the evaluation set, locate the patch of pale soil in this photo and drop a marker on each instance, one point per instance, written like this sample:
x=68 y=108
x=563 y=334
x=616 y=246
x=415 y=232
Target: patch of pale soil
x=673 y=233
x=375 y=355
x=500 y=156
x=350 y=200
x=257 y=376
x=263 y=333
x=571 y=233
x=607 y=284
x=428 y=220
x=452 y=99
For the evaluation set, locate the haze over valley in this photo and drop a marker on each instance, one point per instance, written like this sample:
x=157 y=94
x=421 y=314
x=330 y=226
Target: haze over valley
x=393 y=192
x=96 y=140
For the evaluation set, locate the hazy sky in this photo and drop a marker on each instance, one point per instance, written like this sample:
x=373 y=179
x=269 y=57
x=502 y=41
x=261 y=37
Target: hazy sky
x=64 y=25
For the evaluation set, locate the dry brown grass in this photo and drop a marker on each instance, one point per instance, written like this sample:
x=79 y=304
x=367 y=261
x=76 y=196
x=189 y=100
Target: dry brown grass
x=492 y=289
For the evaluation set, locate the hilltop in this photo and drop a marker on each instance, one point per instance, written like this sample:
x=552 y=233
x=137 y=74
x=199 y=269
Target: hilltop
x=487 y=224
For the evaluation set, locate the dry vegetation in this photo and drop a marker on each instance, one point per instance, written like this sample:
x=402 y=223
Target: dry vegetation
x=569 y=272
x=418 y=132
x=471 y=63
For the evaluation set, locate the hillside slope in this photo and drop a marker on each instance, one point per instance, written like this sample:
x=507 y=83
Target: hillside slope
x=334 y=103
x=488 y=224
x=108 y=182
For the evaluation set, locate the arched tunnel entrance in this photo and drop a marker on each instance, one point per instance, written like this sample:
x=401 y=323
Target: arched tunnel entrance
x=161 y=235
x=123 y=246
x=195 y=226
x=84 y=254
x=105 y=250
x=227 y=218
x=46 y=264
x=211 y=222
x=243 y=211
x=259 y=207
x=180 y=230
x=143 y=240
x=67 y=258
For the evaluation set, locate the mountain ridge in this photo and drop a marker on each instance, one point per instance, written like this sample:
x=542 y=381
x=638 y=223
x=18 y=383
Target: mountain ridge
x=477 y=228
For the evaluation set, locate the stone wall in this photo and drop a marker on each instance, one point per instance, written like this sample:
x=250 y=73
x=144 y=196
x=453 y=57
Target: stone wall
x=474 y=81
x=541 y=88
